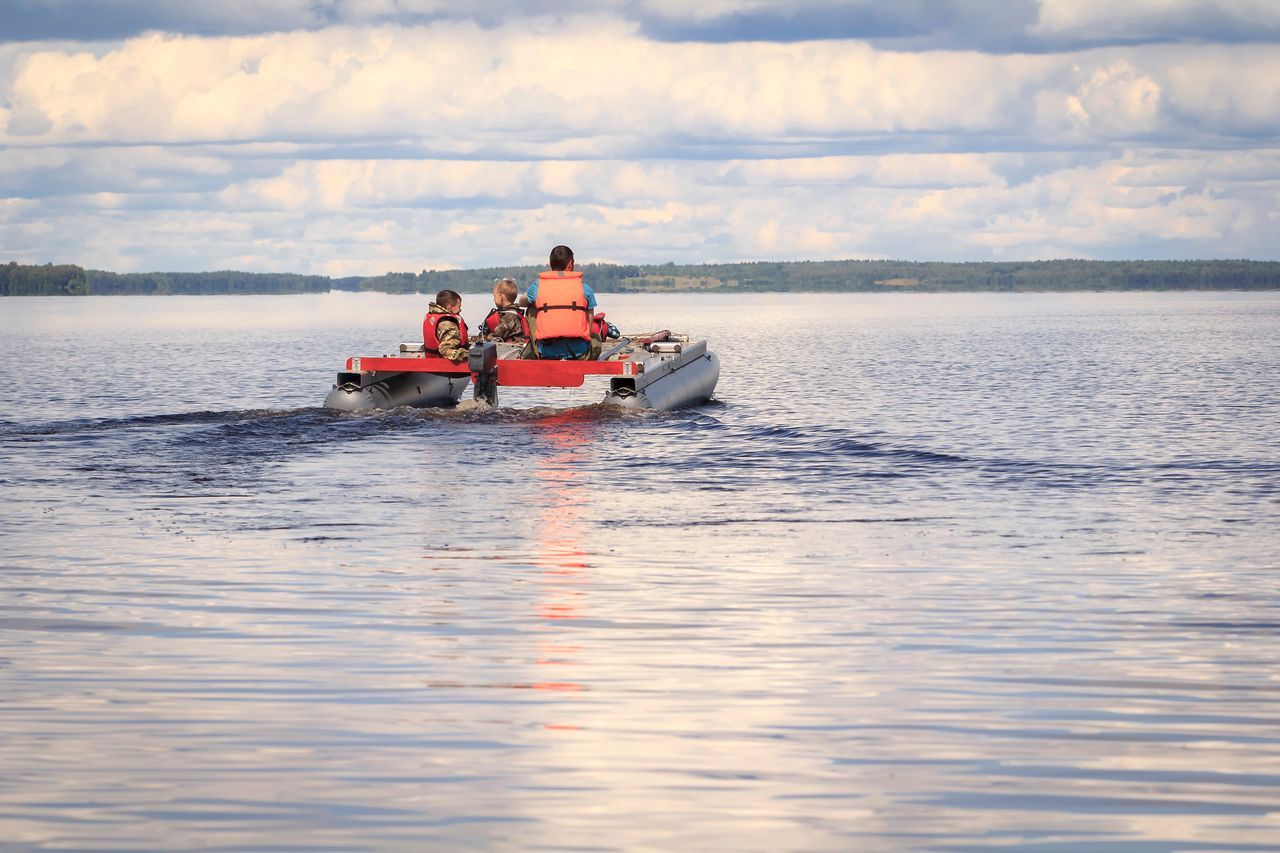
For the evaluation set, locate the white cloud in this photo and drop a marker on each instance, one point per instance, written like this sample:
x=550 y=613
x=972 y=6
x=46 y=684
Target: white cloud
x=367 y=217
x=1231 y=91
x=1118 y=99
x=711 y=9
x=1107 y=19
x=461 y=89
x=451 y=144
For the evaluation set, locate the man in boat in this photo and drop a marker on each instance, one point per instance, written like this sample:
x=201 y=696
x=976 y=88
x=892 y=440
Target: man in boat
x=506 y=321
x=561 y=309
x=444 y=332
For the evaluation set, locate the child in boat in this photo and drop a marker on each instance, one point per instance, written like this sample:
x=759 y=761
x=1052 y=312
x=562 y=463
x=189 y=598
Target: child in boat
x=444 y=332
x=506 y=321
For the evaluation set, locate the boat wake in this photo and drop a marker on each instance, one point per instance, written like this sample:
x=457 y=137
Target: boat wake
x=284 y=421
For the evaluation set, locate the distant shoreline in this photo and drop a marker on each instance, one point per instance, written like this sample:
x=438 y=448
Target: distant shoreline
x=1057 y=276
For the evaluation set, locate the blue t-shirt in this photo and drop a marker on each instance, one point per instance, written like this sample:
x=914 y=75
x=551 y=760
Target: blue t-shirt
x=563 y=348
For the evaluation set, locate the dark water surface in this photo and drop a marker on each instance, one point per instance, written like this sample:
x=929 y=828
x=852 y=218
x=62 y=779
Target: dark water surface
x=933 y=573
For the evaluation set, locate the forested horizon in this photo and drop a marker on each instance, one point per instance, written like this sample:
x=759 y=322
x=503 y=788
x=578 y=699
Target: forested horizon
x=847 y=276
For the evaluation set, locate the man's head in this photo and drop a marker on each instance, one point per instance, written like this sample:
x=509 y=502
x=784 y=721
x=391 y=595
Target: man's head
x=562 y=258
x=449 y=301
x=504 y=292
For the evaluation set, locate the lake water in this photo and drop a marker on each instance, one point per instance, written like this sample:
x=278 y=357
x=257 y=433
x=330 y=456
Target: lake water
x=933 y=572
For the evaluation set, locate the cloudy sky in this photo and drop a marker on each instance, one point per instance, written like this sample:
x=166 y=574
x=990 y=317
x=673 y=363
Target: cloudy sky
x=358 y=136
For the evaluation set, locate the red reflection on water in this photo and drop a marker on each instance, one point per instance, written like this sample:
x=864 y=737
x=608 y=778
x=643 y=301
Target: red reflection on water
x=560 y=553
x=568 y=686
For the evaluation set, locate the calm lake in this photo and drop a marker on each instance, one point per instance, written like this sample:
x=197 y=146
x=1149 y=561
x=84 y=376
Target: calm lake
x=933 y=572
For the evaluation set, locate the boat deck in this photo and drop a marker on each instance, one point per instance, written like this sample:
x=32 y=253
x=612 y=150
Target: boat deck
x=626 y=356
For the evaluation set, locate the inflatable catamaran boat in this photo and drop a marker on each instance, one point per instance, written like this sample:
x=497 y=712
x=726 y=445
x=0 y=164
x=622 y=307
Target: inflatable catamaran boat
x=659 y=370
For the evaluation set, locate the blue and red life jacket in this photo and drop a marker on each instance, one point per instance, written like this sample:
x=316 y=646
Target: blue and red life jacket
x=430 y=337
x=600 y=326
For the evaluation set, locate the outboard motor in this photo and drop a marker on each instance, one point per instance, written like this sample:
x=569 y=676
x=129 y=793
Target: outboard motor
x=482 y=361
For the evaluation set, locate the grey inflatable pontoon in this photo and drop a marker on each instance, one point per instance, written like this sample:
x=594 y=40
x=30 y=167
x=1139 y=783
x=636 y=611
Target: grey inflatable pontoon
x=646 y=371
x=361 y=389
x=676 y=374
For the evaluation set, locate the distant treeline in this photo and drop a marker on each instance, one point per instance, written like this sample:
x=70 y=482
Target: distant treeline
x=800 y=276
x=69 y=280
x=869 y=276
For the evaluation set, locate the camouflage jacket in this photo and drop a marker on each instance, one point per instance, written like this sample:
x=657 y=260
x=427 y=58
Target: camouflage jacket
x=450 y=338
x=509 y=328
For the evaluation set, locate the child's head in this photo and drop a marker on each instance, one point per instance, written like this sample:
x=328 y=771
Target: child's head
x=449 y=301
x=504 y=292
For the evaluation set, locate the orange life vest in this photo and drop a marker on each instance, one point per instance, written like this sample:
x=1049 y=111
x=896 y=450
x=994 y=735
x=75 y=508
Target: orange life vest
x=431 y=339
x=562 y=306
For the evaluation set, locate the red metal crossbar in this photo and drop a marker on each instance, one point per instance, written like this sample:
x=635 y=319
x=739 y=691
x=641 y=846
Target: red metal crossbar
x=511 y=372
